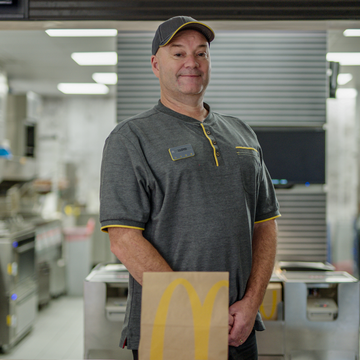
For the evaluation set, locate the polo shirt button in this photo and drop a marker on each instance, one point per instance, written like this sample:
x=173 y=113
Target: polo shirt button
x=214 y=142
x=208 y=132
x=217 y=154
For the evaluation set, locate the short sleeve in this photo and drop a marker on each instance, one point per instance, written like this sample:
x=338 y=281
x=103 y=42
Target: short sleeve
x=124 y=184
x=267 y=207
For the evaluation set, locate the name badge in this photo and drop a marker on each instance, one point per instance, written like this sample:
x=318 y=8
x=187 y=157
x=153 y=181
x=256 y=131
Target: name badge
x=181 y=152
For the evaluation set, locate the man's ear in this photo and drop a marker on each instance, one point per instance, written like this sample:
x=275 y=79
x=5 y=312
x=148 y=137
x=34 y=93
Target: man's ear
x=155 y=65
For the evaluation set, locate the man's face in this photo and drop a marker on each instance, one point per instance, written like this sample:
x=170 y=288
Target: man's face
x=183 y=66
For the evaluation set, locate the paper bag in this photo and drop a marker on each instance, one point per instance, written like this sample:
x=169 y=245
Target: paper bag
x=184 y=316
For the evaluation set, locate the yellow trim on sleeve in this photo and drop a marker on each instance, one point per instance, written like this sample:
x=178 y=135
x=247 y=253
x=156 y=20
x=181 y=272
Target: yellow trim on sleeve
x=180 y=27
x=247 y=148
x=272 y=218
x=103 y=229
x=216 y=160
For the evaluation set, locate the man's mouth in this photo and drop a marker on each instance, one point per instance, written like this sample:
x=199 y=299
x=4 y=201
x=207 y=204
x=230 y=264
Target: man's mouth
x=190 y=75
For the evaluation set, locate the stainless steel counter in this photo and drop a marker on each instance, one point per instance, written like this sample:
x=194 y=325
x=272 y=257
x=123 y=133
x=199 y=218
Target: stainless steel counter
x=300 y=330
x=18 y=283
x=105 y=293
x=300 y=335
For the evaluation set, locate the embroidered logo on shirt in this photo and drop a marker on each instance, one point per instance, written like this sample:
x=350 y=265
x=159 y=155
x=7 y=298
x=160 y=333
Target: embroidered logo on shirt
x=181 y=152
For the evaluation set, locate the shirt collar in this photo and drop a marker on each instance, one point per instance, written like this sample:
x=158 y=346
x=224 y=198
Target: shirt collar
x=208 y=120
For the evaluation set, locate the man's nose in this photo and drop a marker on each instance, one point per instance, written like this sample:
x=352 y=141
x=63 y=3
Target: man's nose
x=191 y=61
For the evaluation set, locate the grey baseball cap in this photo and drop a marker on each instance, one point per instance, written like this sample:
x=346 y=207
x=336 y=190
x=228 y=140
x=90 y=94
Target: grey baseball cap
x=169 y=28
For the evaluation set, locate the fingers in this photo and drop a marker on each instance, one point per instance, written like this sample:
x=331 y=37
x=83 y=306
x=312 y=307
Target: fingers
x=231 y=322
x=236 y=339
x=238 y=333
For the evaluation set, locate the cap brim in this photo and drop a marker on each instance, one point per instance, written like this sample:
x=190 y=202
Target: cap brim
x=196 y=25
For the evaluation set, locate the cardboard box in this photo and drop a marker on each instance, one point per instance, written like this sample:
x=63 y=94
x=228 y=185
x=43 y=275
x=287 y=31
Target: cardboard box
x=269 y=306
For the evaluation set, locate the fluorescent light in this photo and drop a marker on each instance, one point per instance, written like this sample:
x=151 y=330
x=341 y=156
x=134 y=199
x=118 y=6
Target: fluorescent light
x=105 y=78
x=81 y=32
x=83 y=88
x=352 y=32
x=349 y=58
x=95 y=58
x=346 y=93
x=344 y=78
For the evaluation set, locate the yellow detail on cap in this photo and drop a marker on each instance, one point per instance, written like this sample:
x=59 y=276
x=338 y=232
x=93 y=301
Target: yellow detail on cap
x=9 y=269
x=191 y=22
x=8 y=320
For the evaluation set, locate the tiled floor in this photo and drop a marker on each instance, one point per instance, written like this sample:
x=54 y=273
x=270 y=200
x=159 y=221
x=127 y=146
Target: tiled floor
x=57 y=333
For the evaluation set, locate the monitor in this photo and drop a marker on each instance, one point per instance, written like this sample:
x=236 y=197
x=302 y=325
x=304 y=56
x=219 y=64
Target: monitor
x=293 y=156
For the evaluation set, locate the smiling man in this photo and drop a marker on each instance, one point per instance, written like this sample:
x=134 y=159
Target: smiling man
x=184 y=188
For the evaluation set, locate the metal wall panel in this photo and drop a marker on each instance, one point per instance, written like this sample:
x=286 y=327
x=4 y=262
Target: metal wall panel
x=302 y=226
x=264 y=78
x=202 y=9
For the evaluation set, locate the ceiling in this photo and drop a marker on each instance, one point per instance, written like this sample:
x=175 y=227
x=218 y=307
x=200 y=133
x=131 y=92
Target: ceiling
x=34 y=61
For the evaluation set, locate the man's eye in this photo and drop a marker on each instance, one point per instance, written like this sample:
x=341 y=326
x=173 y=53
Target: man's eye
x=203 y=54
x=177 y=55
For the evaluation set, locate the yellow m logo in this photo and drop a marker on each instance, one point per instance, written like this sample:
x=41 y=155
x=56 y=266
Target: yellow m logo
x=201 y=313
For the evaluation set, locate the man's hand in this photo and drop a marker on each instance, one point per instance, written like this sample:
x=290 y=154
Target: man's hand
x=231 y=322
x=244 y=316
x=245 y=310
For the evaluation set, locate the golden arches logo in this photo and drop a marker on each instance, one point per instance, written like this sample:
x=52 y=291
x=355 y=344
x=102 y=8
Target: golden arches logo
x=273 y=307
x=201 y=318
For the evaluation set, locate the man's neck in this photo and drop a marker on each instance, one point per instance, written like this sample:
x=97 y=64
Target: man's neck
x=195 y=110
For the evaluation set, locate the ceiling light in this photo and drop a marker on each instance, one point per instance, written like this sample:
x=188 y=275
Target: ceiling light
x=349 y=58
x=83 y=88
x=105 y=78
x=352 y=32
x=81 y=32
x=95 y=58
x=346 y=93
x=343 y=79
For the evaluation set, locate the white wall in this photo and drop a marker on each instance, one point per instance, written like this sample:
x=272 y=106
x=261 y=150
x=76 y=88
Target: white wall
x=73 y=130
x=342 y=179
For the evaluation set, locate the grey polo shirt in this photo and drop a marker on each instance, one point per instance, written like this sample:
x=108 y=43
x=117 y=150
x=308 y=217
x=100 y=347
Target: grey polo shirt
x=194 y=188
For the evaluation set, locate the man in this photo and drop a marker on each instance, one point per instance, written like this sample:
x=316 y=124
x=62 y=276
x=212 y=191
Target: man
x=186 y=189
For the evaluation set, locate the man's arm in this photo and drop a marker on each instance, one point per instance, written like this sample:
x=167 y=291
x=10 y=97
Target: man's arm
x=263 y=257
x=135 y=252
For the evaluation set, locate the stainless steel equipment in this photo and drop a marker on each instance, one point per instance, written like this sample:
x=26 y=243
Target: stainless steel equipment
x=50 y=258
x=105 y=293
x=298 y=335
x=18 y=285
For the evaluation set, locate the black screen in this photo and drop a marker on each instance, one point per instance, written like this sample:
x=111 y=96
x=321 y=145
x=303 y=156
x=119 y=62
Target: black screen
x=293 y=156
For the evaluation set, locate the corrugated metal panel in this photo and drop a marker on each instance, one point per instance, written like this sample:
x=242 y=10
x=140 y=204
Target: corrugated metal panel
x=264 y=78
x=202 y=9
x=302 y=226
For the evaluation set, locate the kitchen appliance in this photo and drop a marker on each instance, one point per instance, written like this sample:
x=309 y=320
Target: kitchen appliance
x=22 y=114
x=50 y=258
x=18 y=284
x=321 y=309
